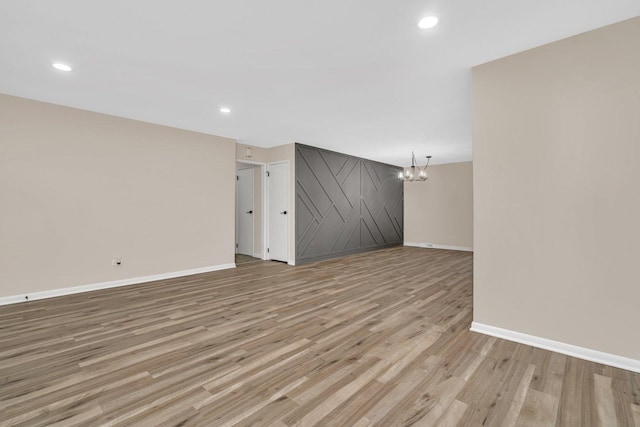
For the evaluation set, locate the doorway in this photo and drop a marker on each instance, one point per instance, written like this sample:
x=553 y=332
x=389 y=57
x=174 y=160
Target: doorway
x=251 y=202
x=244 y=211
x=279 y=211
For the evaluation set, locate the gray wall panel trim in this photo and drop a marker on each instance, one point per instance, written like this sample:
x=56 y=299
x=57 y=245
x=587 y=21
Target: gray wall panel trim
x=345 y=204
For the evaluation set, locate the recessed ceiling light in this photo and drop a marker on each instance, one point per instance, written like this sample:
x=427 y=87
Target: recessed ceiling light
x=61 y=67
x=428 y=22
x=225 y=110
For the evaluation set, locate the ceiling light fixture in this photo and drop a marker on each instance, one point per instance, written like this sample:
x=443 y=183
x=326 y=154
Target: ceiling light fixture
x=428 y=22
x=62 y=67
x=415 y=173
x=225 y=110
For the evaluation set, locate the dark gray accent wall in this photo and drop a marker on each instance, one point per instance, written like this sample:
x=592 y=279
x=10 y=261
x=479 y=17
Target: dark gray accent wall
x=345 y=204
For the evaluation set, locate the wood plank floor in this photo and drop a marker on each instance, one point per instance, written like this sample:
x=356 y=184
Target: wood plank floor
x=373 y=339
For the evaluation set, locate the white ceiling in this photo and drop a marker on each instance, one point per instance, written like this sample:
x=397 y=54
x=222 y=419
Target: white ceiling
x=355 y=76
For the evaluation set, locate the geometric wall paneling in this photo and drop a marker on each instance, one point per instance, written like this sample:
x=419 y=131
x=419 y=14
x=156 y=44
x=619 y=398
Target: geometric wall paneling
x=345 y=204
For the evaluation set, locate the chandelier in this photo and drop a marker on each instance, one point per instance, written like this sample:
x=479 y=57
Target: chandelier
x=415 y=173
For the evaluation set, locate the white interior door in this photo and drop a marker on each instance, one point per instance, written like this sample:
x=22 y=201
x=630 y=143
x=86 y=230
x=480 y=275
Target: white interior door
x=244 y=211
x=279 y=214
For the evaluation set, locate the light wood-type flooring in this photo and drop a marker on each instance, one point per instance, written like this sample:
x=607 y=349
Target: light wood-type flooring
x=380 y=338
x=243 y=259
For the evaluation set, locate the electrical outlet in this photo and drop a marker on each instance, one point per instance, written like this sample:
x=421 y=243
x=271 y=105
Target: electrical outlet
x=116 y=261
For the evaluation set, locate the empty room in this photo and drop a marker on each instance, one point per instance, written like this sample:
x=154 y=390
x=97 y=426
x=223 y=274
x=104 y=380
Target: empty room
x=296 y=213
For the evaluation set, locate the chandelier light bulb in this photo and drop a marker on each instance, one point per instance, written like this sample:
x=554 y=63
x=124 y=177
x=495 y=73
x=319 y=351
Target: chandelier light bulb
x=415 y=172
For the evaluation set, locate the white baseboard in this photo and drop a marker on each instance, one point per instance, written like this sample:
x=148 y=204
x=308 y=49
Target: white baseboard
x=257 y=255
x=437 y=246
x=291 y=263
x=559 y=347
x=112 y=284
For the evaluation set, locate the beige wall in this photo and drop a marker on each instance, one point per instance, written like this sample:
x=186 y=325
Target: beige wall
x=557 y=202
x=440 y=210
x=78 y=189
x=258 y=154
x=276 y=154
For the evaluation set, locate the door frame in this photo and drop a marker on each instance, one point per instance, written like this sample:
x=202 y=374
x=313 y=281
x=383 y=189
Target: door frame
x=288 y=193
x=263 y=207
